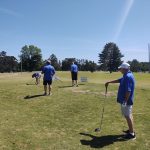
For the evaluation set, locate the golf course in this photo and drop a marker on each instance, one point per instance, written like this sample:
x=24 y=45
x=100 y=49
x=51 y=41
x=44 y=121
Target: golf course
x=66 y=120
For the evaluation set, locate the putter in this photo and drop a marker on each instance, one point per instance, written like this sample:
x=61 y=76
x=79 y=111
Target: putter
x=31 y=82
x=100 y=128
x=57 y=78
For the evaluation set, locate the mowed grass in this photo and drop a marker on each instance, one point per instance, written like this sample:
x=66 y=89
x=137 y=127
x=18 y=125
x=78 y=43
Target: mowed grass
x=67 y=119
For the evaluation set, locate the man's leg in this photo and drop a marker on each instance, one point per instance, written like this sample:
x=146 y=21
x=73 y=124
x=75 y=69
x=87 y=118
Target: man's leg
x=45 y=89
x=76 y=82
x=127 y=112
x=72 y=82
x=50 y=89
x=76 y=78
x=130 y=123
x=72 y=76
x=131 y=134
x=36 y=80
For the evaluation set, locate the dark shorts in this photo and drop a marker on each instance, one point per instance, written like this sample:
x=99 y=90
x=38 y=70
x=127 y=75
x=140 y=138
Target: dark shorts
x=49 y=82
x=74 y=75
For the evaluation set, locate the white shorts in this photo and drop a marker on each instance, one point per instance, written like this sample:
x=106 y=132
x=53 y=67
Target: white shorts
x=126 y=111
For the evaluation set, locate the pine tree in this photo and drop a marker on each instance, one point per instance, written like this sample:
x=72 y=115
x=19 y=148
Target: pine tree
x=110 y=57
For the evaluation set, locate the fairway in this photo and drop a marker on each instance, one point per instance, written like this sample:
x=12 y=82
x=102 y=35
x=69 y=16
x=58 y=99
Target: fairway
x=67 y=119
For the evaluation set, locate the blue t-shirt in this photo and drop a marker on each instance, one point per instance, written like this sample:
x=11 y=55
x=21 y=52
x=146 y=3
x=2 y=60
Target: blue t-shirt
x=48 y=71
x=127 y=84
x=36 y=75
x=74 y=68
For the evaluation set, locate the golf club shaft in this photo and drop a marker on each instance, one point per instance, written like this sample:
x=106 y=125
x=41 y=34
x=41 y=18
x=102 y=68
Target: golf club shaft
x=102 y=116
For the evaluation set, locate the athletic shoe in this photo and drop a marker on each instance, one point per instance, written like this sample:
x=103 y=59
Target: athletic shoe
x=50 y=94
x=126 y=131
x=129 y=136
x=45 y=94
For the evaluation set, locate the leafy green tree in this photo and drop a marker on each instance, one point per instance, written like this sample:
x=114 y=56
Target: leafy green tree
x=110 y=57
x=88 y=66
x=135 y=65
x=31 y=58
x=3 y=54
x=66 y=63
x=92 y=66
x=55 y=62
x=8 y=63
x=144 y=66
x=83 y=64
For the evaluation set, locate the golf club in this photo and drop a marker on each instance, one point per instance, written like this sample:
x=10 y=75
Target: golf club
x=100 y=128
x=31 y=82
x=57 y=78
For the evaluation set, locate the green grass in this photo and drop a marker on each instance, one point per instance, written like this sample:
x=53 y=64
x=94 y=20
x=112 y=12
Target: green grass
x=55 y=122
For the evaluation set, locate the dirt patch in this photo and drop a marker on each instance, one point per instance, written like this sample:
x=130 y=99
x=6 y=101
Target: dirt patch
x=111 y=93
x=95 y=93
x=86 y=91
x=81 y=91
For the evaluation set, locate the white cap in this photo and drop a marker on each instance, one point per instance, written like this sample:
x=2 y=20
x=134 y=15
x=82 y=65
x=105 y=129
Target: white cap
x=48 y=61
x=124 y=66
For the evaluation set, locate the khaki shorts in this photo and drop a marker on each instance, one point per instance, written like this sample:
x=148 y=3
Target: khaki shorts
x=126 y=111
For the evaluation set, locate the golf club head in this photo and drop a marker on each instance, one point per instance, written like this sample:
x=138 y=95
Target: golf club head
x=27 y=97
x=97 y=130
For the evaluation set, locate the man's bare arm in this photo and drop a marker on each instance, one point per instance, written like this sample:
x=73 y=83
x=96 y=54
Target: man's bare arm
x=114 y=81
x=127 y=96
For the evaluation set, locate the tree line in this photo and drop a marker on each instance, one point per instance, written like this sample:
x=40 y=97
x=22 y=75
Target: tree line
x=30 y=59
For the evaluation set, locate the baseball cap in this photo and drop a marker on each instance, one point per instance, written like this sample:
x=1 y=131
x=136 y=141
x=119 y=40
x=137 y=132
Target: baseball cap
x=124 y=66
x=48 y=61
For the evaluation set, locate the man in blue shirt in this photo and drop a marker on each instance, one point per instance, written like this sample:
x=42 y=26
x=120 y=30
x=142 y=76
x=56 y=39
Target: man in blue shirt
x=126 y=97
x=74 y=74
x=48 y=72
x=37 y=76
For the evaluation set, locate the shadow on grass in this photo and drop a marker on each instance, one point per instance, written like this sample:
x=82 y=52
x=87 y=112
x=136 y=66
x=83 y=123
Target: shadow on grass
x=67 y=86
x=30 y=84
x=33 y=96
x=100 y=142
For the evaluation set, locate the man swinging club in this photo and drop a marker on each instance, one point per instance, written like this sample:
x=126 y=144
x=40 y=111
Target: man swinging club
x=126 y=97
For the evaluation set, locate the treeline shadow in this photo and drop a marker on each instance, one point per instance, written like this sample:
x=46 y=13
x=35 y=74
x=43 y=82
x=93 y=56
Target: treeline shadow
x=30 y=84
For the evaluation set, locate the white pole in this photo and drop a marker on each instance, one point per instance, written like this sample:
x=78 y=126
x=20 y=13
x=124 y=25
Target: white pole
x=21 y=65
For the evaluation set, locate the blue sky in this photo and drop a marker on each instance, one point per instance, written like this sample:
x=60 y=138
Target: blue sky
x=75 y=28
